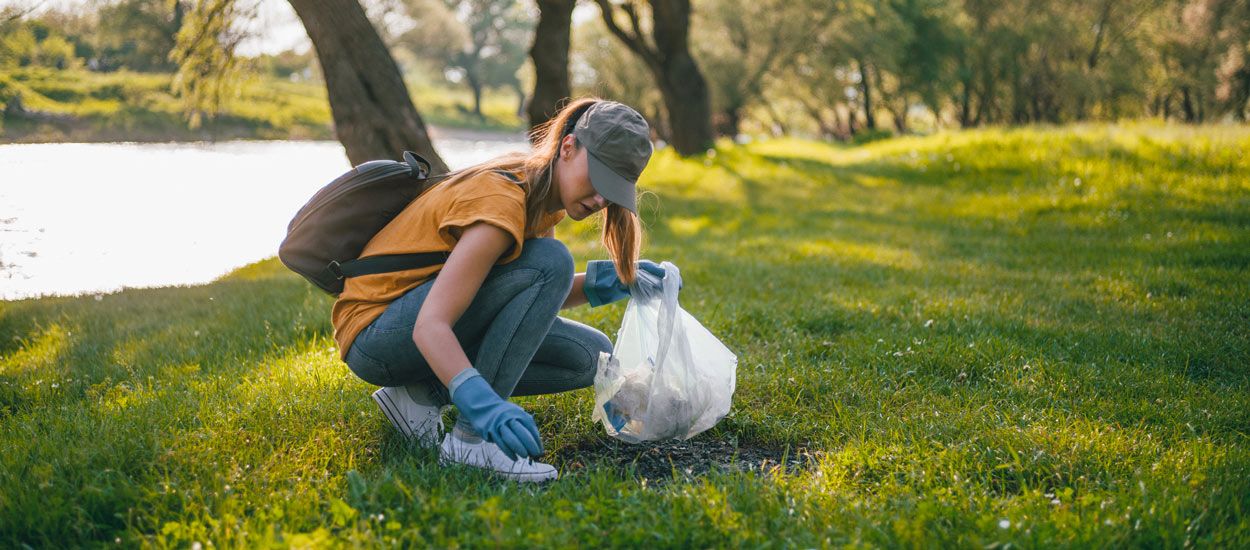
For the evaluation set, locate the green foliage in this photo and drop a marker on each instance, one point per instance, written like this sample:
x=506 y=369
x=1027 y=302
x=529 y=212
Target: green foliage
x=80 y=105
x=599 y=66
x=209 y=73
x=138 y=34
x=27 y=44
x=1029 y=337
x=128 y=106
x=478 y=43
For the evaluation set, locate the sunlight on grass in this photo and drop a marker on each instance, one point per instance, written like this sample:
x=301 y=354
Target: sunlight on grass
x=37 y=354
x=974 y=349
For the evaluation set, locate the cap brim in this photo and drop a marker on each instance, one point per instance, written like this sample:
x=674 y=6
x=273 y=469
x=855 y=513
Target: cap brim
x=612 y=186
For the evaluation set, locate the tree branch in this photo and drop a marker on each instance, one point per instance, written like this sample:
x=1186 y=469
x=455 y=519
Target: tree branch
x=18 y=14
x=632 y=41
x=775 y=48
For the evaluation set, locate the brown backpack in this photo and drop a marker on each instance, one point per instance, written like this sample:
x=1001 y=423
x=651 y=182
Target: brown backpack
x=324 y=240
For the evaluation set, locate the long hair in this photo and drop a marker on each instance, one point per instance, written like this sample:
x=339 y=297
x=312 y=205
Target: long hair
x=622 y=232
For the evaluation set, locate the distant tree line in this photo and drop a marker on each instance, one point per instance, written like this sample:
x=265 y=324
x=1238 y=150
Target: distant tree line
x=841 y=69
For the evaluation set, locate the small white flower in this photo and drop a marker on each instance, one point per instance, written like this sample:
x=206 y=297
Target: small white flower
x=1004 y=524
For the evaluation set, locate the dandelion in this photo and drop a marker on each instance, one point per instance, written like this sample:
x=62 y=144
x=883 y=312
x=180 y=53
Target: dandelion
x=1004 y=524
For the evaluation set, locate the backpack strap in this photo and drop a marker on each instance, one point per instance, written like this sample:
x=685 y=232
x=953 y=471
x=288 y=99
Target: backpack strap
x=387 y=263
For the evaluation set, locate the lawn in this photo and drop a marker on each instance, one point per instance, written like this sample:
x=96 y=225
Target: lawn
x=1032 y=337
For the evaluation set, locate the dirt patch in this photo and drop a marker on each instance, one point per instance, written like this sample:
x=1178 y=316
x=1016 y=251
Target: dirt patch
x=660 y=461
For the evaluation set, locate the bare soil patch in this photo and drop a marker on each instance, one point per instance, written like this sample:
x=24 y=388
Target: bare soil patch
x=661 y=461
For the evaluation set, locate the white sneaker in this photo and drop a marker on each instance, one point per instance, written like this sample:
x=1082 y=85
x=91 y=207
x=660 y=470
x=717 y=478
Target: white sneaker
x=421 y=423
x=486 y=455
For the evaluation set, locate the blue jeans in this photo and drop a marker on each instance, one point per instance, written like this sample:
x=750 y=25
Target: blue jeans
x=510 y=332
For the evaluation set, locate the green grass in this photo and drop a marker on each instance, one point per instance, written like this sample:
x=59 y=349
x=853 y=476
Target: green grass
x=84 y=106
x=977 y=350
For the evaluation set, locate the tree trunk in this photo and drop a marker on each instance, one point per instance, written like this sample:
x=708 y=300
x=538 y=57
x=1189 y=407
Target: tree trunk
x=866 y=89
x=550 y=54
x=965 y=102
x=1187 y=105
x=1242 y=97
x=900 y=117
x=522 y=101
x=374 y=117
x=688 y=104
x=778 y=126
x=475 y=86
x=681 y=84
x=727 y=121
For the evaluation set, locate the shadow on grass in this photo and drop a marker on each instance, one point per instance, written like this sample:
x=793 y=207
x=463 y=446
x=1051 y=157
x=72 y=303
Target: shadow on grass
x=665 y=461
x=131 y=336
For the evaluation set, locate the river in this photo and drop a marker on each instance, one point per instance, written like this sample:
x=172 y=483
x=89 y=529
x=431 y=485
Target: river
x=80 y=218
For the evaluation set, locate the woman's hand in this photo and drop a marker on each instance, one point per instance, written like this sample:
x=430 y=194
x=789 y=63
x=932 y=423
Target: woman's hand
x=602 y=286
x=498 y=420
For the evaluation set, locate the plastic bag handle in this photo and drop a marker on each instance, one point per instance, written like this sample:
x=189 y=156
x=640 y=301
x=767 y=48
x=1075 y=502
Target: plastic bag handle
x=668 y=313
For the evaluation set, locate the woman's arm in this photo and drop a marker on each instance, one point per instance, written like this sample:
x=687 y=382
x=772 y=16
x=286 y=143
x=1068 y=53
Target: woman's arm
x=471 y=259
x=577 y=296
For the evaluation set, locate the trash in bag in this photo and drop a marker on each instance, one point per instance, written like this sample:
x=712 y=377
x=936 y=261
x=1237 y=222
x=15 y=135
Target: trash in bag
x=667 y=377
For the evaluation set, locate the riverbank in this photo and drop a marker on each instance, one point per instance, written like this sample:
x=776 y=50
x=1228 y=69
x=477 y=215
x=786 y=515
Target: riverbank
x=39 y=105
x=987 y=339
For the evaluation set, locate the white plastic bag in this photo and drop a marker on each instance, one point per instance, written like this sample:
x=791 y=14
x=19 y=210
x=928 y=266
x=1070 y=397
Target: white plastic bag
x=668 y=377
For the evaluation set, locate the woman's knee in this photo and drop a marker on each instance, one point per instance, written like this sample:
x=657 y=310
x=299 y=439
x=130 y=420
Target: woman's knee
x=599 y=342
x=551 y=256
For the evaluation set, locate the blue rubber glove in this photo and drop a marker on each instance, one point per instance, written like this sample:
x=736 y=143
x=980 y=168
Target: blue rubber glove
x=602 y=286
x=498 y=420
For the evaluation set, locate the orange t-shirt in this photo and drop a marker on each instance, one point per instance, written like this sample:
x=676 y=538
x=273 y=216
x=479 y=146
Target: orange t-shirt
x=431 y=223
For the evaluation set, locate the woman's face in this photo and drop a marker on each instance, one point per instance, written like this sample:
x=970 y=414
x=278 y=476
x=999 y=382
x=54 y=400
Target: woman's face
x=578 y=197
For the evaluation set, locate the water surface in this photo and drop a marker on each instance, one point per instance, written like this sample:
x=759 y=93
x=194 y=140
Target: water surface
x=94 y=218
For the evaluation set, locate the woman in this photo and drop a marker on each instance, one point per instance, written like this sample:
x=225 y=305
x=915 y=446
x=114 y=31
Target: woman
x=483 y=326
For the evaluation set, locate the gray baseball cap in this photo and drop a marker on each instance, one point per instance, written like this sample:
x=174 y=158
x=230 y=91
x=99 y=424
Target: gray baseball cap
x=618 y=142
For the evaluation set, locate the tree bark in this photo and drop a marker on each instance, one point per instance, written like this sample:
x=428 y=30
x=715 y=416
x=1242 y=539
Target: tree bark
x=475 y=86
x=1187 y=105
x=682 y=86
x=866 y=88
x=727 y=121
x=374 y=116
x=550 y=54
x=965 y=103
x=779 y=127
